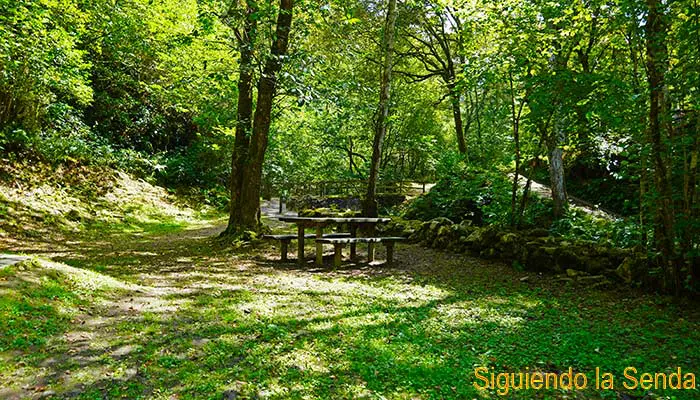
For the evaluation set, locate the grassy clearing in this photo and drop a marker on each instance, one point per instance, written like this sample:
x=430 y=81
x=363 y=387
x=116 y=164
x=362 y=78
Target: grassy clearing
x=206 y=321
x=38 y=300
x=143 y=301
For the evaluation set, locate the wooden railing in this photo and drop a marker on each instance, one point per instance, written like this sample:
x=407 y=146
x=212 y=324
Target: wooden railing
x=357 y=187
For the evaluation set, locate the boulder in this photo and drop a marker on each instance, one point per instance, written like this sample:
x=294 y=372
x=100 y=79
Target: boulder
x=632 y=269
x=571 y=258
x=437 y=223
x=430 y=230
x=444 y=237
x=537 y=232
x=509 y=238
x=465 y=228
x=509 y=245
x=403 y=227
x=482 y=238
x=537 y=257
x=597 y=265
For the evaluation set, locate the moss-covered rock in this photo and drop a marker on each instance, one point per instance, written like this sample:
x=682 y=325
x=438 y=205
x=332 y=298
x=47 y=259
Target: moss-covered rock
x=447 y=236
x=531 y=249
x=536 y=232
x=400 y=227
x=633 y=269
x=439 y=222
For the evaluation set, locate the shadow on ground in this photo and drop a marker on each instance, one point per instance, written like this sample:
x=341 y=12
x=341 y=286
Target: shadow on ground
x=203 y=319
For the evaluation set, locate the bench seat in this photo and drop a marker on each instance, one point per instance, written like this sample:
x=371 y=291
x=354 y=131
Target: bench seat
x=349 y=240
x=307 y=236
x=285 y=239
x=339 y=243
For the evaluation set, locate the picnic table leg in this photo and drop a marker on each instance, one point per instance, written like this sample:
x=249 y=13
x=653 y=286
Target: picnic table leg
x=285 y=245
x=389 y=252
x=338 y=256
x=353 y=246
x=319 y=246
x=300 y=244
x=370 y=252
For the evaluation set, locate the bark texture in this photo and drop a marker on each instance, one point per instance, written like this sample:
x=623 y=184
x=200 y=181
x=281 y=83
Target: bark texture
x=556 y=169
x=369 y=205
x=457 y=114
x=244 y=113
x=659 y=133
x=245 y=212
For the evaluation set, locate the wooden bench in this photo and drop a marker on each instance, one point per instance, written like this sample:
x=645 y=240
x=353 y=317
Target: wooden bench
x=339 y=243
x=285 y=239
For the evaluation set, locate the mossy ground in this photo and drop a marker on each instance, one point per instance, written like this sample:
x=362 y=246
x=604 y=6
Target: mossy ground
x=165 y=309
x=194 y=318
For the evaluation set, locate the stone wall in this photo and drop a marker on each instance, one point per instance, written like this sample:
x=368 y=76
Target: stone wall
x=532 y=250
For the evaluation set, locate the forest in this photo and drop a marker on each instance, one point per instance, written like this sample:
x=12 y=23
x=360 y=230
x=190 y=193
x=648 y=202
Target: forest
x=526 y=157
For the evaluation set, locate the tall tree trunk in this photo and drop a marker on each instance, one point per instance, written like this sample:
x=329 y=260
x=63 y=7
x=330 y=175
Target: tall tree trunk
x=556 y=168
x=516 y=139
x=557 y=137
x=457 y=113
x=689 y=234
x=694 y=213
x=244 y=122
x=252 y=174
x=643 y=188
x=477 y=111
x=659 y=123
x=369 y=205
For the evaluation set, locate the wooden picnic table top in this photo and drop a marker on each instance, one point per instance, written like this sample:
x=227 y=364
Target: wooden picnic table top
x=340 y=220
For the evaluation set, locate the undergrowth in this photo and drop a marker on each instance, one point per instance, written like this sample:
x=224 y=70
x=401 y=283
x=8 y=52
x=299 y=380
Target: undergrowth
x=484 y=197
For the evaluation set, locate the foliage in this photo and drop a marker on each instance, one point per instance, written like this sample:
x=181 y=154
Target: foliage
x=481 y=196
x=581 y=225
x=40 y=59
x=95 y=82
x=150 y=86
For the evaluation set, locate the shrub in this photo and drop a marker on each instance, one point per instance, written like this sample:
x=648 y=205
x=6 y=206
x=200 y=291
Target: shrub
x=581 y=225
x=483 y=197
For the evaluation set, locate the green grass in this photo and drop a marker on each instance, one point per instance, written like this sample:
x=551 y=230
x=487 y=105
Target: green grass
x=209 y=321
x=160 y=224
x=29 y=311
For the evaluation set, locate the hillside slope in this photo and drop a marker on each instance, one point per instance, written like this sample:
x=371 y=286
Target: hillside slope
x=38 y=201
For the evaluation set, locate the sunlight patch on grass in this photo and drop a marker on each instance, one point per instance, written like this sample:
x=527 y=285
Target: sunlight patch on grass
x=303 y=359
x=506 y=313
x=457 y=315
x=123 y=205
x=38 y=303
x=85 y=281
x=385 y=289
x=366 y=320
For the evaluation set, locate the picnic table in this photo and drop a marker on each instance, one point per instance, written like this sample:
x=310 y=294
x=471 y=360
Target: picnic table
x=321 y=222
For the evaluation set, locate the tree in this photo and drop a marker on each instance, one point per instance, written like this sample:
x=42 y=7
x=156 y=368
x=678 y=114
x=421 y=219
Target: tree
x=659 y=136
x=245 y=195
x=244 y=120
x=436 y=41
x=369 y=206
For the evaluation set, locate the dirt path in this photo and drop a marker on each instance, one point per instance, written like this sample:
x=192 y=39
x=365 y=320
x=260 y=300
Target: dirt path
x=196 y=317
x=166 y=277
